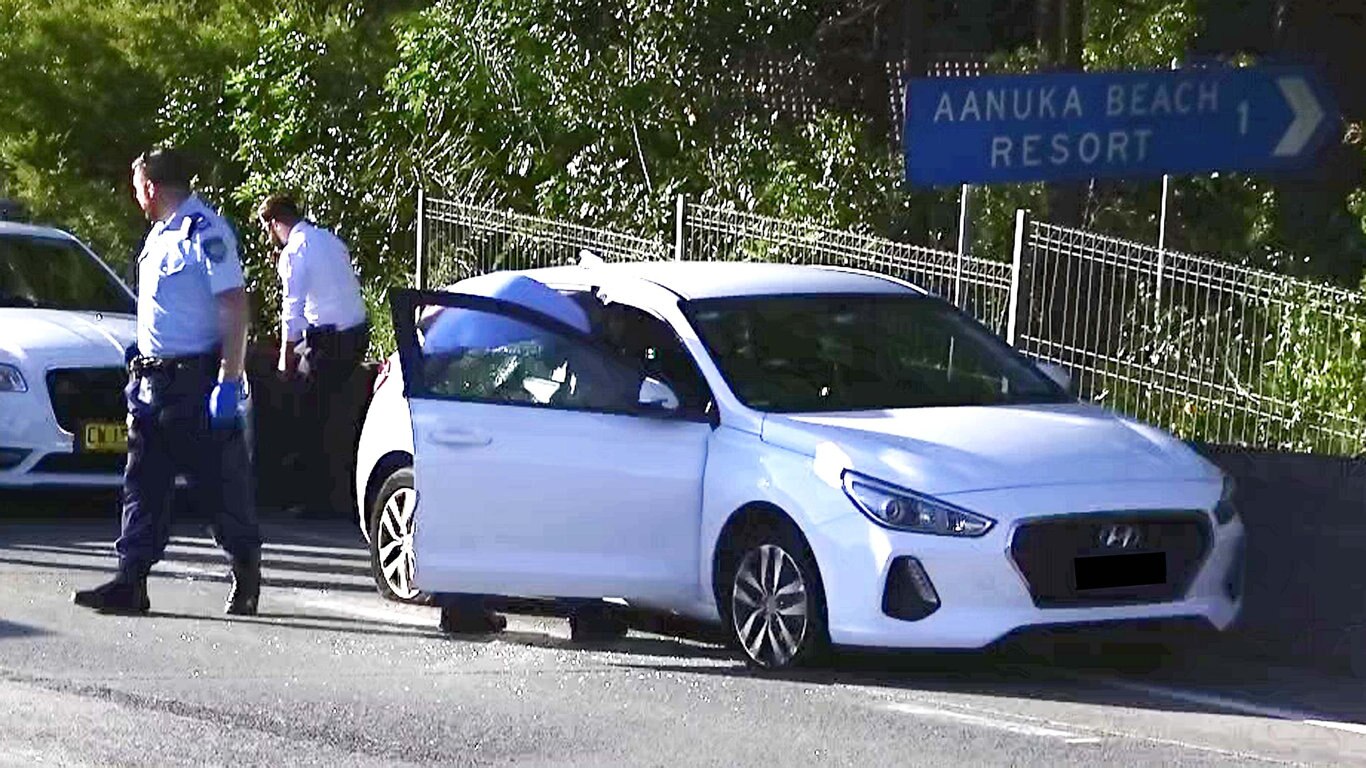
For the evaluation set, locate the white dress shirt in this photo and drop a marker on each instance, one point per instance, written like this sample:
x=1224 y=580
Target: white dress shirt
x=320 y=285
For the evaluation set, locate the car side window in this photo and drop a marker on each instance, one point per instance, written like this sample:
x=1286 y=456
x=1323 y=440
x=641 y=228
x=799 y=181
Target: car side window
x=652 y=344
x=469 y=354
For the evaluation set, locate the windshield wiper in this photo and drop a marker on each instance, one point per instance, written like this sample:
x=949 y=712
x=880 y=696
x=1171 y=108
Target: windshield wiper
x=19 y=301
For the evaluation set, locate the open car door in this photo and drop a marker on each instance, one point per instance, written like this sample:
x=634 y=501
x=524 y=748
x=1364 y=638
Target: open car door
x=539 y=470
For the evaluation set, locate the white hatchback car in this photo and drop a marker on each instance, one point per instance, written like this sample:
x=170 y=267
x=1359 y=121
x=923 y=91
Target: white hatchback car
x=65 y=321
x=807 y=455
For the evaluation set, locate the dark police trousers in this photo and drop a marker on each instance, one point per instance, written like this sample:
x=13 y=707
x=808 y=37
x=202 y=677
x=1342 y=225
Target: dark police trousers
x=169 y=435
x=328 y=362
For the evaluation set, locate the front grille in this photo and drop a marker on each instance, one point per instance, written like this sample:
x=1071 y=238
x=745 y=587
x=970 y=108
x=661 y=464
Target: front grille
x=1046 y=553
x=82 y=463
x=87 y=394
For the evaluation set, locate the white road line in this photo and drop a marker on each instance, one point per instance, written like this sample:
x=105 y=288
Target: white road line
x=1356 y=728
x=176 y=569
x=1009 y=726
x=416 y=617
x=1095 y=731
x=1227 y=703
x=321 y=546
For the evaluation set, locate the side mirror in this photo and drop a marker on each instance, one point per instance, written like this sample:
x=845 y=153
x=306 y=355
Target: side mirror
x=657 y=397
x=1057 y=374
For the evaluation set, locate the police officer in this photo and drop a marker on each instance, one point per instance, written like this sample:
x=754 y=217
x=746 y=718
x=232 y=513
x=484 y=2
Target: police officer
x=184 y=391
x=324 y=335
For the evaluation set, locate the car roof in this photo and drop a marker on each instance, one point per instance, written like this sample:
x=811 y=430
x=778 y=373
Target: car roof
x=729 y=279
x=32 y=230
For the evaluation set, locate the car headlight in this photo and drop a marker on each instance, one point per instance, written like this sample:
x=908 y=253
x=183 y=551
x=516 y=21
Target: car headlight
x=11 y=380
x=1225 y=511
x=893 y=507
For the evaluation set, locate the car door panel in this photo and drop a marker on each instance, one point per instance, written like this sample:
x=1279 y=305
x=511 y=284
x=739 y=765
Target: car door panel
x=557 y=503
x=521 y=496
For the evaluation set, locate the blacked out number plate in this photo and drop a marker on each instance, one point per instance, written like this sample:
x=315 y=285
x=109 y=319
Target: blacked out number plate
x=1115 y=571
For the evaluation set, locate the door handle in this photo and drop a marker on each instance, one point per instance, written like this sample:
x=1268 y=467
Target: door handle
x=461 y=437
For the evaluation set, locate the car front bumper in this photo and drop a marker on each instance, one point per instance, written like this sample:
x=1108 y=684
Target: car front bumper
x=983 y=594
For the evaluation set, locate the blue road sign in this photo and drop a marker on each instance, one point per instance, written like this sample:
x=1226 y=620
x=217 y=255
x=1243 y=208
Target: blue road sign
x=1047 y=127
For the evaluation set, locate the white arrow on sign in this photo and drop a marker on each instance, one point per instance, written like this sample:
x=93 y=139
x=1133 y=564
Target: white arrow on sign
x=1308 y=115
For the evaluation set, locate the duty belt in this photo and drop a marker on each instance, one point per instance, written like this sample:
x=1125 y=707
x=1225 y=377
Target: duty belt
x=149 y=363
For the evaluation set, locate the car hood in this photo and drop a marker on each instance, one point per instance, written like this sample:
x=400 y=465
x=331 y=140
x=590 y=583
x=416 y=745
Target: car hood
x=943 y=451
x=46 y=335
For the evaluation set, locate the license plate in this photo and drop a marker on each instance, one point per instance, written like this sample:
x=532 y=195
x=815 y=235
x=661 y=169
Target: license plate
x=104 y=437
x=1116 y=571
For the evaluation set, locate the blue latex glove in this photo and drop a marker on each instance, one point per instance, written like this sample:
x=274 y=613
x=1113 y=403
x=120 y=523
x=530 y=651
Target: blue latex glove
x=225 y=405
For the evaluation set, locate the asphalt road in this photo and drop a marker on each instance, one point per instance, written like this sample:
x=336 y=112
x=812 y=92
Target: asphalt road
x=332 y=675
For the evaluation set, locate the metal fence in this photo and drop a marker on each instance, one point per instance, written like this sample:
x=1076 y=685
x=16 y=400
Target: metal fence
x=1209 y=350
x=980 y=286
x=1212 y=351
x=458 y=240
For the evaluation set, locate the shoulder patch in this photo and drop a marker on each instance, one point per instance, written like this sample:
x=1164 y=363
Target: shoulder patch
x=215 y=249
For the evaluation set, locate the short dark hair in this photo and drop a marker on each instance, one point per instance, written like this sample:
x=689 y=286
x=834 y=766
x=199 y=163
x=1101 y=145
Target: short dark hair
x=279 y=207
x=166 y=167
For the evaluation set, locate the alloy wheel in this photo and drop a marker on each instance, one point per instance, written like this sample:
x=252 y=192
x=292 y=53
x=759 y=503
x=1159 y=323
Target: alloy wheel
x=395 y=544
x=770 y=606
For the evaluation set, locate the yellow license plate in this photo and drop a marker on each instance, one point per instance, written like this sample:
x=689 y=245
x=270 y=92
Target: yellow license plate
x=104 y=437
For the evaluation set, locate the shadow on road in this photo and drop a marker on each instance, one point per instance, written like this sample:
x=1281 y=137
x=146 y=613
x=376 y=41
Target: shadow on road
x=329 y=555
x=10 y=629
x=988 y=675
x=326 y=555
x=329 y=565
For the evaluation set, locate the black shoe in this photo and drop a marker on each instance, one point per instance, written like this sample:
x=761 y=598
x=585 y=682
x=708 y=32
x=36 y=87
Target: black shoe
x=596 y=624
x=457 y=621
x=125 y=596
x=246 y=586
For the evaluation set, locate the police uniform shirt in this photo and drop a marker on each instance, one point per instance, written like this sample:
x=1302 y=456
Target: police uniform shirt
x=186 y=262
x=320 y=285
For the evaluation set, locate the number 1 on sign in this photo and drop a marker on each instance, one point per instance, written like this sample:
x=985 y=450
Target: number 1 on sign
x=1242 y=119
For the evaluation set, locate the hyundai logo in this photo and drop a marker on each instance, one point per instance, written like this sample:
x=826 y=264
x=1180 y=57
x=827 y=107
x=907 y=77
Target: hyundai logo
x=1119 y=536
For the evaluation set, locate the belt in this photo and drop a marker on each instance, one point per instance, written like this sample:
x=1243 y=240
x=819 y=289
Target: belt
x=151 y=363
x=331 y=329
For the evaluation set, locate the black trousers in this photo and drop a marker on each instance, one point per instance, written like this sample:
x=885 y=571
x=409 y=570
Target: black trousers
x=169 y=435
x=329 y=409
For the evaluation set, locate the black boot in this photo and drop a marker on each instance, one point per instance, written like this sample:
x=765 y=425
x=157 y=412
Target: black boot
x=466 y=616
x=246 y=586
x=125 y=595
x=596 y=623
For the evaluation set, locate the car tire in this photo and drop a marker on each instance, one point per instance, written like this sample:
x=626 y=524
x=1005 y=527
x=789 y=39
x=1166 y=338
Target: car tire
x=772 y=599
x=392 y=515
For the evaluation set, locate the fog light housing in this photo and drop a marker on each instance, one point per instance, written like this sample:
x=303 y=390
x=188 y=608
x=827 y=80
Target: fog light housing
x=910 y=595
x=11 y=457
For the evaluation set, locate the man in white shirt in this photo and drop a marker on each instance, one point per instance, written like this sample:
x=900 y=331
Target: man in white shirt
x=323 y=338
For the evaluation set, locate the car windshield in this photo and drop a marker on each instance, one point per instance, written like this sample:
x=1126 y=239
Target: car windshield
x=54 y=273
x=842 y=353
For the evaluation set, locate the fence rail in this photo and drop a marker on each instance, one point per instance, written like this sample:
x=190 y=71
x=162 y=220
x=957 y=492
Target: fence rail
x=1212 y=351
x=1207 y=349
x=980 y=286
x=459 y=240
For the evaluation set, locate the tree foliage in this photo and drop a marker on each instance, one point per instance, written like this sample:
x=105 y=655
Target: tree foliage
x=599 y=112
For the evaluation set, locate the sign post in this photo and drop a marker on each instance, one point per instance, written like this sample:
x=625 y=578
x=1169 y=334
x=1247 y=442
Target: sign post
x=1067 y=126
